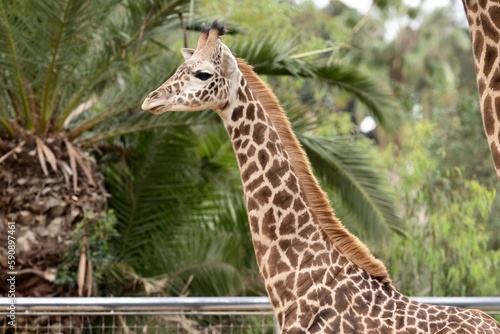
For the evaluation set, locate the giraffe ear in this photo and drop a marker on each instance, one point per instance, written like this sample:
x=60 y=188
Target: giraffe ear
x=187 y=53
x=229 y=63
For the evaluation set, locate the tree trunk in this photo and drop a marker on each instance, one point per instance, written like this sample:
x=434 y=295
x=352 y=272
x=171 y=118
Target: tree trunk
x=40 y=211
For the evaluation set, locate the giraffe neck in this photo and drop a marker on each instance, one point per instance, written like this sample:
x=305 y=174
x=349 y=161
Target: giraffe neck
x=484 y=29
x=293 y=252
x=316 y=199
x=297 y=255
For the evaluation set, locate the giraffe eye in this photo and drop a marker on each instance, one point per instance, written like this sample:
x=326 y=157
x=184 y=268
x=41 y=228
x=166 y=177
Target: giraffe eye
x=203 y=76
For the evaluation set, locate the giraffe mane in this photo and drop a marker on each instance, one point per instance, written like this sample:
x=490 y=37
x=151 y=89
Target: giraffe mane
x=344 y=241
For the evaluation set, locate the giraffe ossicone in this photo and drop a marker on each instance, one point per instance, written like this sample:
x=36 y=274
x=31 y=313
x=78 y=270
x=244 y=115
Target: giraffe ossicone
x=319 y=277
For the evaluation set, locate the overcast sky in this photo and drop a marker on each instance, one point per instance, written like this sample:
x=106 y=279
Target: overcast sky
x=392 y=26
x=364 y=5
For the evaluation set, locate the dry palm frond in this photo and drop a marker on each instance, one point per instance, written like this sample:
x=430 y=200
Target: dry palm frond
x=66 y=171
x=12 y=151
x=80 y=109
x=82 y=267
x=41 y=158
x=81 y=271
x=74 y=158
x=47 y=153
x=88 y=279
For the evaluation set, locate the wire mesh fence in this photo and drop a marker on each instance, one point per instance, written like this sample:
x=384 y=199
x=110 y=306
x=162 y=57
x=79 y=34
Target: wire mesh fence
x=143 y=322
x=186 y=315
x=139 y=315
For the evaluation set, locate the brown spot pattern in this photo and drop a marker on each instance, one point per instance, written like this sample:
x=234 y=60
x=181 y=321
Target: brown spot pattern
x=488 y=118
x=237 y=113
x=495 y=80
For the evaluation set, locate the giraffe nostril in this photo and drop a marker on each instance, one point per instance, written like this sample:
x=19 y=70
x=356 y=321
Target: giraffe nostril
x=154 y=95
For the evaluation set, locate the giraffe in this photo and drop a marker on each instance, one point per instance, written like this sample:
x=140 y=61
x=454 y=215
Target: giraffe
x=319 y=277
x=484 y=28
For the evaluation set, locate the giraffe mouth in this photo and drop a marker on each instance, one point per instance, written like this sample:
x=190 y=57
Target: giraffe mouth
x=156 y=110
x=154 y=107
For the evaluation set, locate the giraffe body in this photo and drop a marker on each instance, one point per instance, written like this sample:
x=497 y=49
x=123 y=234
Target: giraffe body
x=319 y=277
x=484 y=27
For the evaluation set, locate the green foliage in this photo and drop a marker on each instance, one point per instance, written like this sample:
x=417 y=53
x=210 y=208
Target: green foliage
x=208 y=264
x=82 y=69
x=149 y=190
x=345 y=167
x=448 y=255
x=94 y=235
x=441 y=168
x=274 y=55
x=463 y=142
x=446 y=252
x=181 y=213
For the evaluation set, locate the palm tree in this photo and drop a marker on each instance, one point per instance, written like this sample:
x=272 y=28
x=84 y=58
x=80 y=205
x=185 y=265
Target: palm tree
x=70 y=72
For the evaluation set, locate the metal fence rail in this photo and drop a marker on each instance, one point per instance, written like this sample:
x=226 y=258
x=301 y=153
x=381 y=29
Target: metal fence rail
x=164 y=315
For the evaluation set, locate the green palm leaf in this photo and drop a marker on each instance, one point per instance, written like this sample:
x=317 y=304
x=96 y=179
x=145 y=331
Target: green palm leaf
x=85 y=51
x=346 y=168
x=208 y=264
x=179 y=213
x=149 y=188
x=275 y=56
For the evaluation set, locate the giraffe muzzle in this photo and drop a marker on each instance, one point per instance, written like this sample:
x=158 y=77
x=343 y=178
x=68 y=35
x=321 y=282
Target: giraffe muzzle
x=155 y=107
x=153 y=104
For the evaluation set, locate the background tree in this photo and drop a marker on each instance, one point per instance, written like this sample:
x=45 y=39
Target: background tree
x=441 y=167
x=447 y=250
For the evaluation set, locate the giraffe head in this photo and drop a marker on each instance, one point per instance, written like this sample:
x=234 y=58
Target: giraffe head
x=202 y=81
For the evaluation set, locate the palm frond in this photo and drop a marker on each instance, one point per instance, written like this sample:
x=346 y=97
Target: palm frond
x=140 y=21
x=13 y=25
x=117 y=107
x=118 y=102
x=269 y=55
x=129 y=122
x=149 y=190
x=347 y=169
x=275 y=56
x=180 y=187
x=66 y=26
x=209 y=264
x=84 y=48
x=374 y=95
